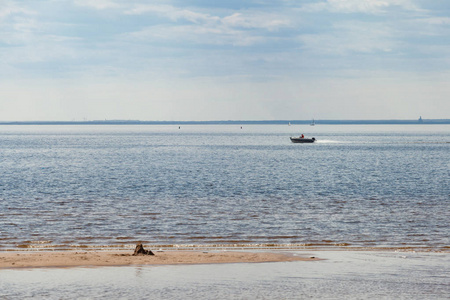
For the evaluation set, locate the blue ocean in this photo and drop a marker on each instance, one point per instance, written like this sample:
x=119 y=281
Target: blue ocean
x=110 y=186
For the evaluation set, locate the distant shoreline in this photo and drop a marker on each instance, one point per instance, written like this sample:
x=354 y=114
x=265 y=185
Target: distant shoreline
x=236 y=122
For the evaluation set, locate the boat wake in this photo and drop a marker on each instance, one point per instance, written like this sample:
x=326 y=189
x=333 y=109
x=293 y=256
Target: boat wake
x=330 y=142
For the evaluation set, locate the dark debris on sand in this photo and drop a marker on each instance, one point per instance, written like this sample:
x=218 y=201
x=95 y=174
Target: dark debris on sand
x=139 y=250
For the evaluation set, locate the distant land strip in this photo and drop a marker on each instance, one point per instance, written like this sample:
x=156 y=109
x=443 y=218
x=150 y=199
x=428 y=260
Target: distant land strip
x=232 y=122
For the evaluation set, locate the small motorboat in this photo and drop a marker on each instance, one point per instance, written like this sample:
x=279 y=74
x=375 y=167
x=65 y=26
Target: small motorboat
x=302 y=140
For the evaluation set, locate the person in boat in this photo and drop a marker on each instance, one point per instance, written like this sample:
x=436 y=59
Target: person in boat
x=302 y=136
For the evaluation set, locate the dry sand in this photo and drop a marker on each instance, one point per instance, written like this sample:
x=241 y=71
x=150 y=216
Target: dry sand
x=110 y=258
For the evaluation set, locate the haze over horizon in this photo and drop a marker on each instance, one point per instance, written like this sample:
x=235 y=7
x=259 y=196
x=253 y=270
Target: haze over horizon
x=225 y=60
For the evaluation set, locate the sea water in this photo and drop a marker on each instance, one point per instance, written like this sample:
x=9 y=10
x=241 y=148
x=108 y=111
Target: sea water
x=341 y=275
x=100 y=186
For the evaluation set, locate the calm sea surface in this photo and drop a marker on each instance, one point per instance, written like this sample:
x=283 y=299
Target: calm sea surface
x=63 y=187
x=341 y=275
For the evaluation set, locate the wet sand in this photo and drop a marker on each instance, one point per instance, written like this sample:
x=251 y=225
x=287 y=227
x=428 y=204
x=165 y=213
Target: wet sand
x=120 y=258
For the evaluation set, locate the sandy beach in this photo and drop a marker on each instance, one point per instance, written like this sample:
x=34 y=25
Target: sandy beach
x=121 y=258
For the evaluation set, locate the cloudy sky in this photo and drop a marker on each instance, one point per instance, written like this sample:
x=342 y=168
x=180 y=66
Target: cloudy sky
x=224 y=60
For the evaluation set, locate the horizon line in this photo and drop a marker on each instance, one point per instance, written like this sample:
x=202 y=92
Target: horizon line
x=213 y=122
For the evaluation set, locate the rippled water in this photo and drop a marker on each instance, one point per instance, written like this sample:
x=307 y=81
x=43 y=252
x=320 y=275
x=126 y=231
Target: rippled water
x=369 y=186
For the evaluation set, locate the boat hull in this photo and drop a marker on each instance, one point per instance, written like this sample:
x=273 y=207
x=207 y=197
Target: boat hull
x=302 y=140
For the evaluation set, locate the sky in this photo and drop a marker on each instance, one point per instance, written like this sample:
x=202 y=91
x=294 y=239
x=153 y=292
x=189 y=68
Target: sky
x=198 y=60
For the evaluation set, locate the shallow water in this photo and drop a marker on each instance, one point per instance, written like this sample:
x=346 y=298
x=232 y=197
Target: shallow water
x=64 y=187
x=342 y=275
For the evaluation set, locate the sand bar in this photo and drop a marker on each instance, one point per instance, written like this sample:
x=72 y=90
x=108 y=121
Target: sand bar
x=120 y=258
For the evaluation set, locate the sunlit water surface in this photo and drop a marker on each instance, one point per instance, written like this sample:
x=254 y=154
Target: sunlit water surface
x=63 y=187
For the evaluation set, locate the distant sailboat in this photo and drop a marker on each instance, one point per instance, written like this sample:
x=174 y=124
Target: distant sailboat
x=313 y=123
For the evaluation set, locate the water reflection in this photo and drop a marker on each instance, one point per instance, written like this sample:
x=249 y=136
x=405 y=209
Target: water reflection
x=344 y=275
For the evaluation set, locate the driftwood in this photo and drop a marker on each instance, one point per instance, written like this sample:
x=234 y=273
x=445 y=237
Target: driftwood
x=141 y=251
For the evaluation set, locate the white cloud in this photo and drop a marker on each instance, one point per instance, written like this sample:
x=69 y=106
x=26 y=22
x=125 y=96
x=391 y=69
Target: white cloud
x=9 y=8
x=216 y=35
x=173 y=13
x=359 y=6
x=97 y=4
x=436 y=21
x=256 y=20
x=247 y=19
x=351 y=37
x=16 y=23
x=239 y=29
